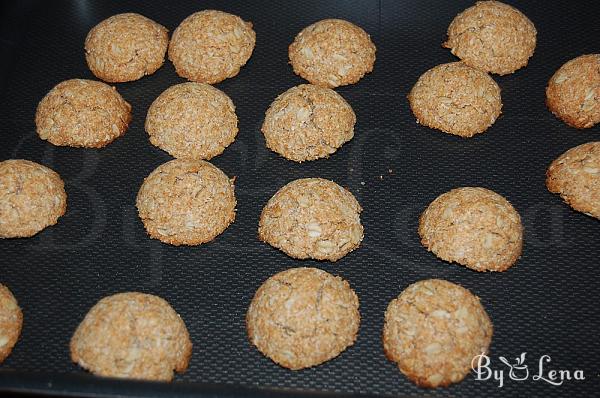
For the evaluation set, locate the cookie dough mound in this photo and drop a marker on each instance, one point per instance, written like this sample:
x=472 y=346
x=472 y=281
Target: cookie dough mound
x=126 y=47
x=11 y=322
x=32 y=197
x=433 y=330
x=132 y=335
x=186 y=202
x=210 y=46
x=192 y=121
x=492 y=36
x=474 y=227
x=82 y=113
x=303 y=317
x=456 y=99
x=573 y=93
x=332 y=53
x=308 y=122
x=575 y=175
x=312 y=218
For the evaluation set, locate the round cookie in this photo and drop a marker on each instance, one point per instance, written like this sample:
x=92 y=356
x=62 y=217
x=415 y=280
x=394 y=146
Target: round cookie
x=186 y=202
x=132 y=335
x=126 y=47
x=82 y=113
x=303 y=317
x=492 y=36
x=332 y=53
x=573 y=92
x=192 y=121
x=312 y=218
x=210 y=46
x=308 y=122
x=433 y=330
x=11 y=322
x=575 y=175
x=456 y=99
x=32 y=197
x=474 y=227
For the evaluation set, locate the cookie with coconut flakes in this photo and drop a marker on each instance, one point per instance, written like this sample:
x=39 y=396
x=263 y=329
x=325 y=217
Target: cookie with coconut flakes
x=11 y=322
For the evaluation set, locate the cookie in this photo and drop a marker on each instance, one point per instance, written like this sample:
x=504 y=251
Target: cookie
x=210 y=46
x=573 y=92
x=11 y=322
x=186 y=202
x=126 y=47
x=192 y=121
x=492 y=36
x=474 y=227
x=575 y=176
x=303 y=317
x=32 y=197
x=433 y=330
x=312 y=218
x=132 y=335
x=308 y=122
x=332 y=53
x=82 y=113
x=456 y=99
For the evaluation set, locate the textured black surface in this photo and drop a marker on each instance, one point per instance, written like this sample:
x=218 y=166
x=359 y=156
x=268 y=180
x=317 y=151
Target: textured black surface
x=546 y=304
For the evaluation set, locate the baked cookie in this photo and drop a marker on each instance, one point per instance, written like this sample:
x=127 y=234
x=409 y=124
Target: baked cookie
x=575 y=175
x=308 y=122
x=492 y=36
x=456 y=99
x=332 y=53
x=312 y=218
x=126 y=47
x=573 y=93
x=82 y=113
x=32 y=197
x=132 y=335
x=303 y=317
x=433 y=330
x=11 y=322
x=210 y=46
x=186 y=202
x=474 y=227
x=192 y=121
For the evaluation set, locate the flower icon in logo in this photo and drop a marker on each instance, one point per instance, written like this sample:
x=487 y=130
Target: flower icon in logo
x=519 y=370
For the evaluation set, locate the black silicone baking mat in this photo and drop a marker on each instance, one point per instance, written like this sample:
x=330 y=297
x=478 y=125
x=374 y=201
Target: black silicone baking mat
x=547 y=304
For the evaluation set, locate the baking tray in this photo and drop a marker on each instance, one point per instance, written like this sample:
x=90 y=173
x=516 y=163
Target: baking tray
x=547 y=304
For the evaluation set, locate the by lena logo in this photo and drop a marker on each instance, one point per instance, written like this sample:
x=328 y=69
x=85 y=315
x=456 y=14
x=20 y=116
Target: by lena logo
x=519 y=371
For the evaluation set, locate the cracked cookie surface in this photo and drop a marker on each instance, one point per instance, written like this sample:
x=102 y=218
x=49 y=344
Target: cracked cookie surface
x=456 y=99
x=11 y=322
x=308 y=122
x=303 y=317
x=82 y=113
x=132 y=335
x=433 y=330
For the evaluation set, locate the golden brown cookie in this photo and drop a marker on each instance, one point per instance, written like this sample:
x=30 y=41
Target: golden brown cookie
x=573 y=92
x=303 y=317
x=312 y=218
x=186 y=202
x=332 y=53
x=433 y=330
x=11 y=322
x=210 y=46
x=192 y=121
x=474 y=227
x=82 y=113
x=492 y=36
x=126 y=47
x=132 y=335
x=32 y=197
x=575 y=175
x=456 y=99
x=308 y=122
